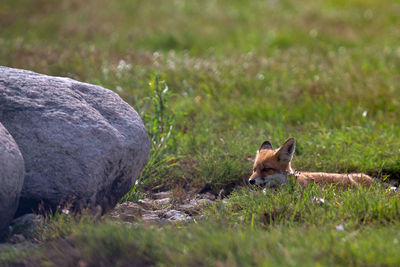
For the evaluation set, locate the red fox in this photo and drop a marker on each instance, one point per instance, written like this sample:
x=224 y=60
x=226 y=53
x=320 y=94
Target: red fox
x=272 y=167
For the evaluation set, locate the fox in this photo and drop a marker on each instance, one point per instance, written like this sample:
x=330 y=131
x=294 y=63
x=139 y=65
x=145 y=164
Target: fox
x=273 y=166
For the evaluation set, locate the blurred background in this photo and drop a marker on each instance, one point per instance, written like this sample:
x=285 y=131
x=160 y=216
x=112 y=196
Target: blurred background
x=238 y=73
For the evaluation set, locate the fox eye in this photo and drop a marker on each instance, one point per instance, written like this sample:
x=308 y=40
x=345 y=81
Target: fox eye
x=254 y=170
x=266 y=169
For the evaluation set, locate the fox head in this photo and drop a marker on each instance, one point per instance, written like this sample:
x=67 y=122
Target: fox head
x=271 y=166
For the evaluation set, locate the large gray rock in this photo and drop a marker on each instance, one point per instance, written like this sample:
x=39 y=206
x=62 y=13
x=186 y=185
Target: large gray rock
x=11 y=178
x=82 y=144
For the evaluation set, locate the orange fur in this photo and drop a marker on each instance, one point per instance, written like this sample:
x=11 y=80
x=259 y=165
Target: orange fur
x=277 y=163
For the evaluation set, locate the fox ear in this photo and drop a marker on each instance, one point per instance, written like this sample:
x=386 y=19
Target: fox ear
x=286 y=151
x=266 y=145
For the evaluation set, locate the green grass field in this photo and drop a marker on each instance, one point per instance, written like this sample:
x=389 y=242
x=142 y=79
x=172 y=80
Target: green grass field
x=238 y=73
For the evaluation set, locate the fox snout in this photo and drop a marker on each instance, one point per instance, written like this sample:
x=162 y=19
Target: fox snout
x=271 y=180
x=256 y=178
x=252 y=179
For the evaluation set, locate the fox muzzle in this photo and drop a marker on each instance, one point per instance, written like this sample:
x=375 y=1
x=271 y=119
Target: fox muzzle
x=272 y=180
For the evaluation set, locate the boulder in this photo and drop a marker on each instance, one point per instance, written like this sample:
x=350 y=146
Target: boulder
x=11 y=178
x=83 y=145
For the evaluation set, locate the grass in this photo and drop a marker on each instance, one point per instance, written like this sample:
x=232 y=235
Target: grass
x=293 y=206
x=325 y=73
x=238 y=73
x=209 y=245
x=284 y=227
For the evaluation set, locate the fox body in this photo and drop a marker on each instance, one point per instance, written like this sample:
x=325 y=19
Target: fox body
x=273 y=166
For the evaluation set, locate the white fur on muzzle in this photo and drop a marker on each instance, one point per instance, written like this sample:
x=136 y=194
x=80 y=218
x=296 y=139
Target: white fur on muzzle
x=272 y=180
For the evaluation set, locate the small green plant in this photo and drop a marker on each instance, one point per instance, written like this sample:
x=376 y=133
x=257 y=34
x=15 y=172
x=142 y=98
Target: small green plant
x=160 y=123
